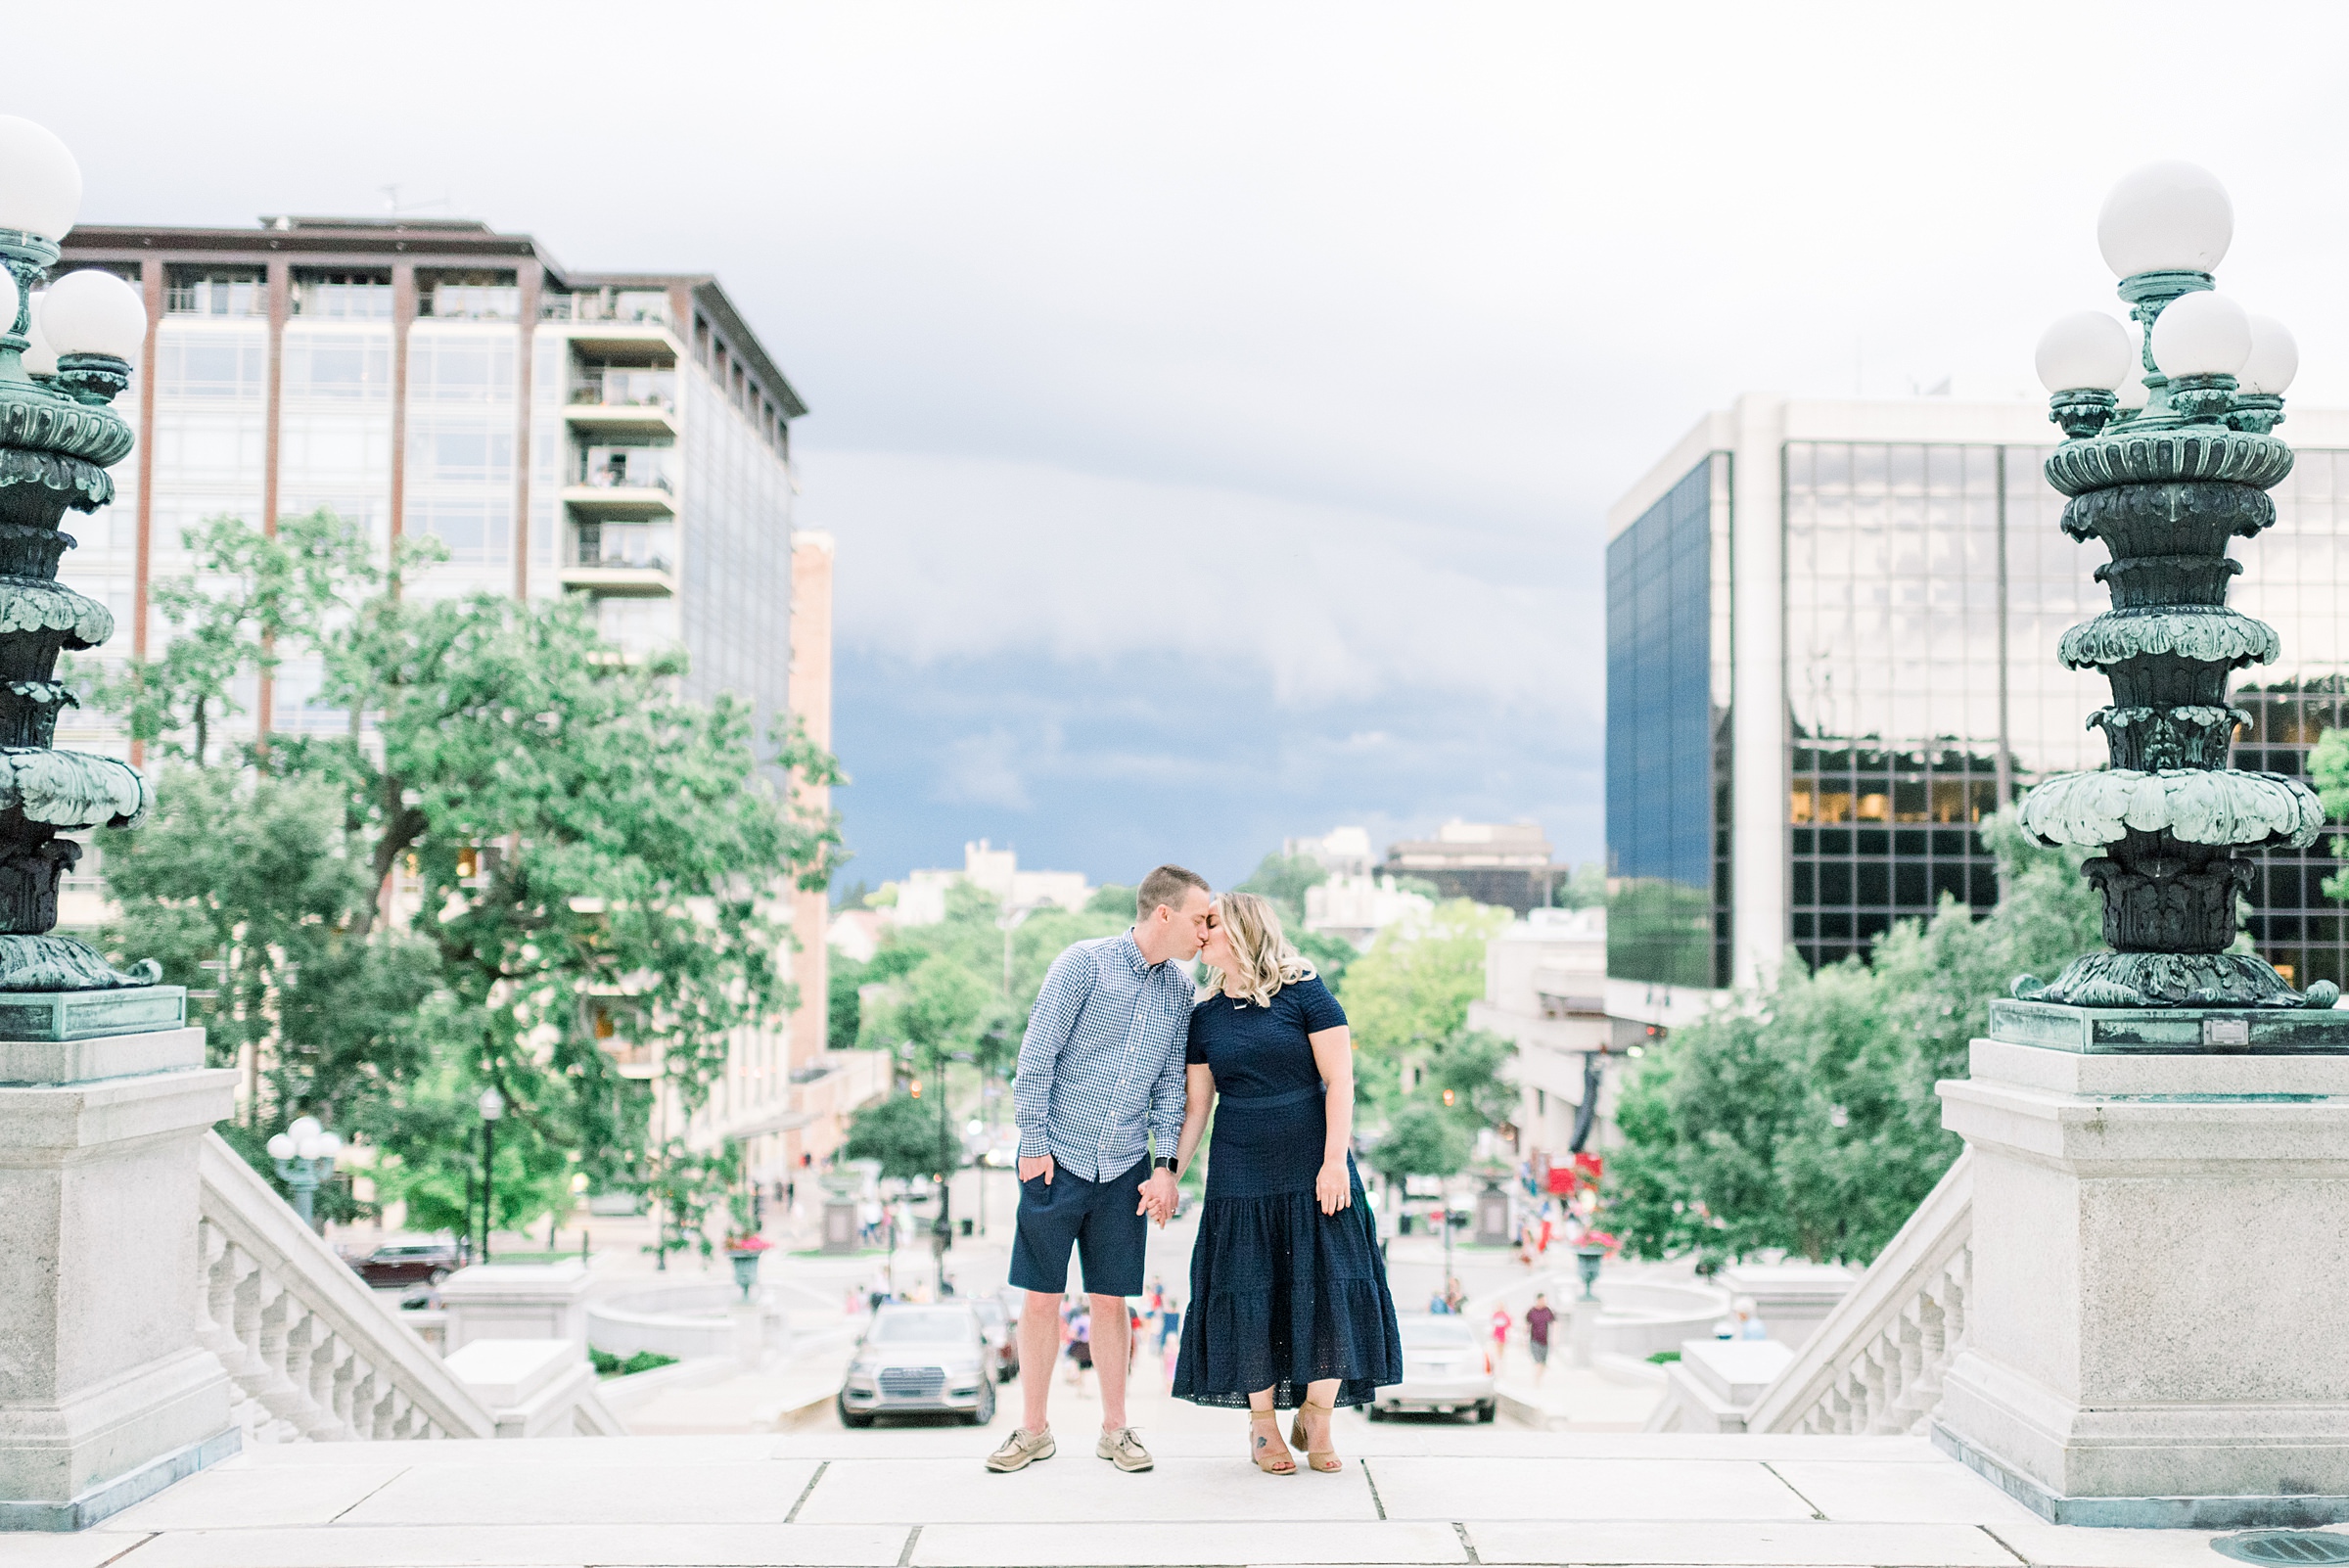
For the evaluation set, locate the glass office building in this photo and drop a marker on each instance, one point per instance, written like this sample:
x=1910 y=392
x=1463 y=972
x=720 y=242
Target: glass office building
x=1873 y=594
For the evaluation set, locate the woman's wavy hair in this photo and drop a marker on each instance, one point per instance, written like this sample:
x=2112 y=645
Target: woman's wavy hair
x=1266 y=960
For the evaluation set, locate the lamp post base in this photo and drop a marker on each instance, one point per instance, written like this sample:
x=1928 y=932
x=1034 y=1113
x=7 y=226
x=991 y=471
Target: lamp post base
x=2155 y=1310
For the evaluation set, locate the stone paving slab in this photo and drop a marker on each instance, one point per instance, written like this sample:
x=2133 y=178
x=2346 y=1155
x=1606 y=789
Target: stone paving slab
x=1865 y=1491
x=646 y=1495
x=1182 y=1545
x=89 y=1549
x=2047 y=1545
x=283 y=1495
x=1074 y=1488
x=1775 y=1543
x=1354 y=1437
x=1592 y=1488
x=670 y=1545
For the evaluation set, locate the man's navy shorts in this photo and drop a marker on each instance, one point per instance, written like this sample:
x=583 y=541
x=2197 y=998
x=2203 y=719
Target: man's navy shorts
x=1098 y=1216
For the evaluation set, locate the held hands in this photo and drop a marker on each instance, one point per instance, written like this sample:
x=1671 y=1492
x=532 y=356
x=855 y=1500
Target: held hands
x=1042 y=1165
x=1160 y=1194
x=1332 y=1187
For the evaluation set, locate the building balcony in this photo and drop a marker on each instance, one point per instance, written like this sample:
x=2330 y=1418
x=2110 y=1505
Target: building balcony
x=650 y=499
x=615 y=579
x=595 y=421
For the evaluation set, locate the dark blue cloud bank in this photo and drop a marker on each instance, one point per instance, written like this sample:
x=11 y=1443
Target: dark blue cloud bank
x=1107 y=769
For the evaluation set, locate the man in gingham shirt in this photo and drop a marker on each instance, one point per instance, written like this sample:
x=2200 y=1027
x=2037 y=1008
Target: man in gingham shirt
x=1100 y=1091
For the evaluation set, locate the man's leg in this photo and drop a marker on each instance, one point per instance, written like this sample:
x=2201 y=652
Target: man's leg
x=1110 y=1330
x=1040 y=1348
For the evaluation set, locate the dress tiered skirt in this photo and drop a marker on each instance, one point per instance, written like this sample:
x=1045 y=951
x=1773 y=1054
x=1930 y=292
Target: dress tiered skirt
x=1282 y=1295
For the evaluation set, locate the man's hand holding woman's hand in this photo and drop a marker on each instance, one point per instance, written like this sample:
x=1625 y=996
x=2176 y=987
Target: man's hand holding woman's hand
x=1332 y=1187
x=1042 y=1165
x=1160 y=1194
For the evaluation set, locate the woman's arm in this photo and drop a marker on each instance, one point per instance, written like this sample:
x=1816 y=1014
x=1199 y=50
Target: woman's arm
x=1333 y=1054
x=1199 y=1098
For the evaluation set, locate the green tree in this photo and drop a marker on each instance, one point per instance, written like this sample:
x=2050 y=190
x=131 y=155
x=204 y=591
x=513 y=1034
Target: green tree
x=843 y=1003
x=1284 y=879
x=1409 y=993
x=1331 y=956
x=1472 y=1066
x=1585 y=889
x=2329 y=770
x=1421 y=1139
x=1805 y=1117
x=905 y=1135
x=582 y=839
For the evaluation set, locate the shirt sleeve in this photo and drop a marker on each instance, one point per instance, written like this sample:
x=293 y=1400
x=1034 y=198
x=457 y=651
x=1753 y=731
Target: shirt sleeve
x=1169 y=1095
x=1059 y=1001
x=1321 y=1009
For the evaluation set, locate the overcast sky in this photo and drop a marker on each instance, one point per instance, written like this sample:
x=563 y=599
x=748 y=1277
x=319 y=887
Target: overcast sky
x=1217 y=405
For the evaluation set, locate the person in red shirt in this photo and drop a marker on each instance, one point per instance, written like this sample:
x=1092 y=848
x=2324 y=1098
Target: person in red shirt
x=1501 y=1321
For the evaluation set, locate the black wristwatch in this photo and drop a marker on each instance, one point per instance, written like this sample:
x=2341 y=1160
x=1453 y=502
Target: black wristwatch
x=1165 y=1164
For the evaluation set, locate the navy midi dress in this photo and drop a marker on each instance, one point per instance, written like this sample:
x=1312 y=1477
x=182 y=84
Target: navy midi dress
x=1282 y=1295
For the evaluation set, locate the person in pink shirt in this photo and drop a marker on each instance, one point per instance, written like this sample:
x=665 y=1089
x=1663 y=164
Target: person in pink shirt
x=1500 y=1334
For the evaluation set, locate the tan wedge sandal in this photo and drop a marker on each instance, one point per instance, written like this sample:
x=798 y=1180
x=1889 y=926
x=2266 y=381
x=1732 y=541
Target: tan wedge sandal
x=1325 y=1460
x=1262 y=1445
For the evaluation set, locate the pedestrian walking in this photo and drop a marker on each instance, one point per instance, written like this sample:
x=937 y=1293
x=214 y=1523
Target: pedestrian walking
x=1500 y=1324
x=1537 y=1318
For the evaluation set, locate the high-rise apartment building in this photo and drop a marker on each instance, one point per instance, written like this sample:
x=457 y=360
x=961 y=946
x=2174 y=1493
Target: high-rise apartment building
x=621 y=436
x=1832 y=632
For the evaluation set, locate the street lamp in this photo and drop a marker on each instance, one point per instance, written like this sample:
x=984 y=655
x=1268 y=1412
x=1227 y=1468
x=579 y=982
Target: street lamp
x=492 y=1105
x=305 y=1157
x=58 y=438
x=2166 y=468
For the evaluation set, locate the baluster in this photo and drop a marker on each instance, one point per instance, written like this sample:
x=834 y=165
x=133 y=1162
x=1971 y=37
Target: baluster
x=326 y=1349
x=276 y=1392
x=1961 y=1270
x=1932 y=1349
x=303 y=1342
x=384 y=1414
x=245 y=1323
x=216 y=1302
x=1903 y=1414
x=1870 y=1374
x=347 y=1377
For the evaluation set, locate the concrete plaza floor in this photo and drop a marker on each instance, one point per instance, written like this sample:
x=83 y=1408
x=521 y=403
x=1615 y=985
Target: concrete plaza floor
x=920 y=1498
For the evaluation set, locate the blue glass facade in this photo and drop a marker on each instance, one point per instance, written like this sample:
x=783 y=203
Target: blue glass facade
x=1667 y=763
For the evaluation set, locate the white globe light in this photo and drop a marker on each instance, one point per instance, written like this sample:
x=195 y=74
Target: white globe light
x=2132 y=393
x=2166 y=217
x=2087 y=350
x=281 y=1147
x=92 y=313
x=329 y=1145
x=492 y=1105
x=2201 y=334
x=39 y=358
x=2274 y=358
x=312 y=1147
x=304 y=1128
x=40 y=183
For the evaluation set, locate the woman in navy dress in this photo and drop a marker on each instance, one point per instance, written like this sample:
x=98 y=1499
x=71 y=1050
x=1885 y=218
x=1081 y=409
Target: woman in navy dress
x=1289 y=1301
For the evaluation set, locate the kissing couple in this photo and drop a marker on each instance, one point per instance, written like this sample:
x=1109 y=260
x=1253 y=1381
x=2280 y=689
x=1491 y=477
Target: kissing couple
x=1122 y=1063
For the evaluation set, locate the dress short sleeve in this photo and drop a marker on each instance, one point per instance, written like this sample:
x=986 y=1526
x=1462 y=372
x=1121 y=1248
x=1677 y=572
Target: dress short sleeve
x=1194 y=1050
x=1320 y=1009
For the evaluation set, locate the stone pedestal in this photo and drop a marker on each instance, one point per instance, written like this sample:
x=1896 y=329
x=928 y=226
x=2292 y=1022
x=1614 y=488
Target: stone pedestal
x=517 y=1300
x=2160 y=1300
x=105 y=1395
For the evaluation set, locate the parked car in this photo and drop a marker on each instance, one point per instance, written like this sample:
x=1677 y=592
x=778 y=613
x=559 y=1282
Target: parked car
x=916 y=1358
x=408 y=1263
x=1002 y=1332
x=1446 y=1368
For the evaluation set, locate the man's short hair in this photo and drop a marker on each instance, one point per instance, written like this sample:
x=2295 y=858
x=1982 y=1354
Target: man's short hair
x=1165 y=885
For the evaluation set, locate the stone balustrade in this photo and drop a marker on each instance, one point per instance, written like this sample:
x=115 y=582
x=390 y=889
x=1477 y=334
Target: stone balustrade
x=1876 y=1366
x=311 y=1354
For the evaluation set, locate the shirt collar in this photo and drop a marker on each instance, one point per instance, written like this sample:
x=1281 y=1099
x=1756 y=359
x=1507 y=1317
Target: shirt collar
x=1133 y=951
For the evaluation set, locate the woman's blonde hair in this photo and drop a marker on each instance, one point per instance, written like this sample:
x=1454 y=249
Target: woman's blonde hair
x=1266 y=960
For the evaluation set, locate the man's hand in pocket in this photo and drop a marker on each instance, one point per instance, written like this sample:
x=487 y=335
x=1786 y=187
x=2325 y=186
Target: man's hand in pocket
x=1042 y=1165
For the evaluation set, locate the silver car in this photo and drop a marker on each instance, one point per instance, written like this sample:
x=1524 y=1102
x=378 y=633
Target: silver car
x=1446 y=1368
x=920 y=1360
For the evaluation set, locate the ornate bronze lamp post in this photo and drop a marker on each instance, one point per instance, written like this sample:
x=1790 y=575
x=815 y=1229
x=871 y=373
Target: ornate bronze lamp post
x=57 y=436
x=2166 y=479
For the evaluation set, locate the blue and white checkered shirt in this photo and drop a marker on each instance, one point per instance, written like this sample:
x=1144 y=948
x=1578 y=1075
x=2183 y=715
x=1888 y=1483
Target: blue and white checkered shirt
x=1102 y=1057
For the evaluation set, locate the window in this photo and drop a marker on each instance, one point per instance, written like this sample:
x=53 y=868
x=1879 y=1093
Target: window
x=470 y=297
x=216 y=292
x=340 y=295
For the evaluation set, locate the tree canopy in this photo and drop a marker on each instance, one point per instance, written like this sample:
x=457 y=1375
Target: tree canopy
x=1804 y=1116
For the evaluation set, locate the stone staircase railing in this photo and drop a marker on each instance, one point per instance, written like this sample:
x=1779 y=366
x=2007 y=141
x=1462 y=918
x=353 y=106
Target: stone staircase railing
x=313 y=1356
x=1875 y=1364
